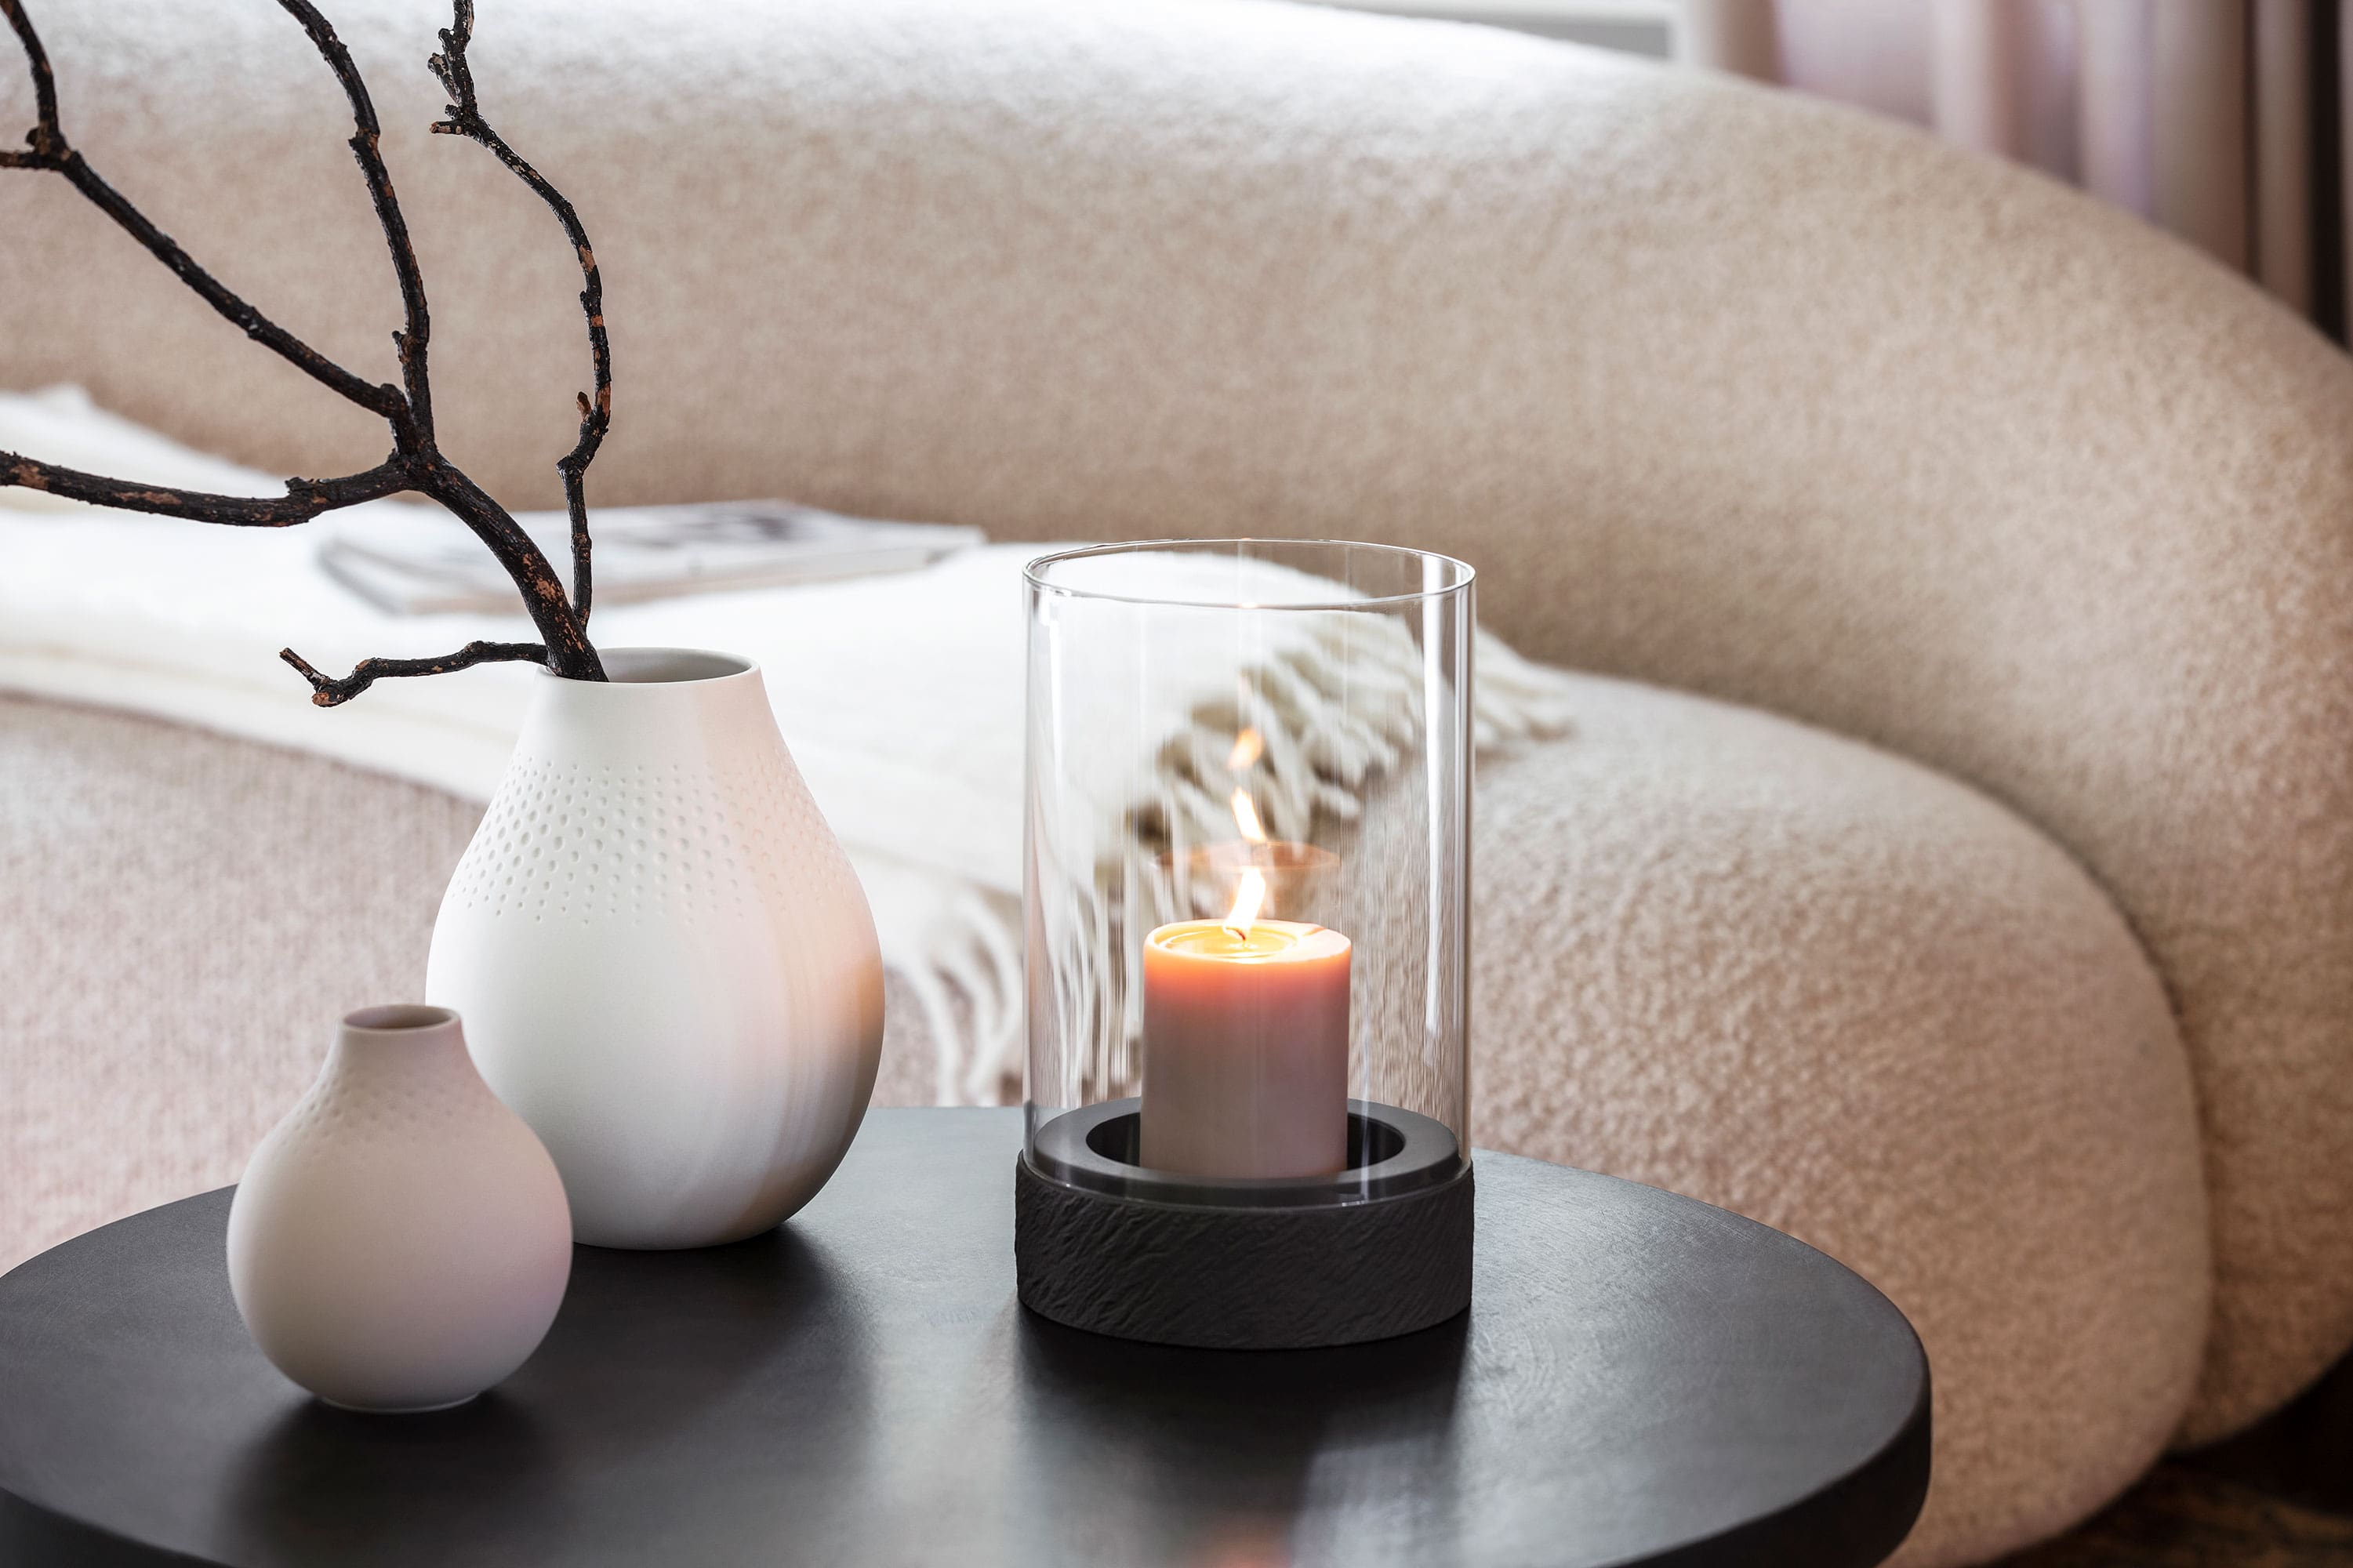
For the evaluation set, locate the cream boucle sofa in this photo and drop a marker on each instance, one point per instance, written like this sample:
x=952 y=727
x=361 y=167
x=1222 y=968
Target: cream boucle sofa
x=2023 y=983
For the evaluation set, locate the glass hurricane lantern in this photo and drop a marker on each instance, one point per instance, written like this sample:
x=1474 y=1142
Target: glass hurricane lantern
x=1247 y=897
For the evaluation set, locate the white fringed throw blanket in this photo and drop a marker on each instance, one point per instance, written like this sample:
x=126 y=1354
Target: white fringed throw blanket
x=900 y=696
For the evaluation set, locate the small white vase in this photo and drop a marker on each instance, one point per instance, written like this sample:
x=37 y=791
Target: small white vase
x=666 y=964
x=400 y=1240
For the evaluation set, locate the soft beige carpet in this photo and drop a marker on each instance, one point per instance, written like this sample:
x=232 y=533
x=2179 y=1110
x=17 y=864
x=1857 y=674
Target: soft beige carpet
x=2279 y=1496
x=2182 y=1517
x=185 y=918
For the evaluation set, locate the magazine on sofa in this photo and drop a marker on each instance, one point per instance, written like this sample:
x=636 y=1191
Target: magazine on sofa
x=416 y=561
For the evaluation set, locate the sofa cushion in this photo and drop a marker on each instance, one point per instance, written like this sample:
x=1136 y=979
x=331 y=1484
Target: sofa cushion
x=1804 y=979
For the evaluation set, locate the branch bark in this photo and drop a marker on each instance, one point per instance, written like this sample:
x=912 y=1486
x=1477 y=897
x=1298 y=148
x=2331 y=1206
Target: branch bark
x=45 y=139
x=365 y=144
x=303 y=500
x=376 y=398
x=331 y=691
x=569 y=652
x=465 y=119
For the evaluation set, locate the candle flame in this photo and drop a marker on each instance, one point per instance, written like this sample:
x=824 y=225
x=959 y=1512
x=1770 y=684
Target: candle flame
x=1249 y=747
x=1246 y=817
x=1247 y=904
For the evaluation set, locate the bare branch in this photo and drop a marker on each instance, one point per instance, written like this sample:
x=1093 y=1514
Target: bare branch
x=303 y=500
x=374 y=396
x=329 y=691
x=465 y=119
x=569 y=651
x=365 y=147
x=45 y=139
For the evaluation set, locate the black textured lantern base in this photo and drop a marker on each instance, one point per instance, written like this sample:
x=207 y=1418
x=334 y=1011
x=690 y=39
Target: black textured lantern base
x=1103 y=1243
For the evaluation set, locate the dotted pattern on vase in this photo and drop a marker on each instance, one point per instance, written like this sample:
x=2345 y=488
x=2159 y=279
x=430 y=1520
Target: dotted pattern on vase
x=579 y=842
x=431 y=1098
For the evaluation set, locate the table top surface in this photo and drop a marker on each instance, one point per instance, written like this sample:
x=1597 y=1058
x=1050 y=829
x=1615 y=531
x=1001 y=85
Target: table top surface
x=1640 y=1379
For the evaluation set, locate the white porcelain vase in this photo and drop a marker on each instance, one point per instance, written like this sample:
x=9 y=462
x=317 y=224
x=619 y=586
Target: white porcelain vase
x=665 y=962
x=399 y=1241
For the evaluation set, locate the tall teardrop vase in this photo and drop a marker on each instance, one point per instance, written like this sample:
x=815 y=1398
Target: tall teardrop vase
x=666 y=964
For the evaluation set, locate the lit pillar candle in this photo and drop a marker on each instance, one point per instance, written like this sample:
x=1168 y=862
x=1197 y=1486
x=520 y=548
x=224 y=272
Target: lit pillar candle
x=1245 y=1046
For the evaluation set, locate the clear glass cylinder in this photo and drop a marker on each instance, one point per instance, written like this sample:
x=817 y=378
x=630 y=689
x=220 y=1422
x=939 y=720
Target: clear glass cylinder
x=1248 y=868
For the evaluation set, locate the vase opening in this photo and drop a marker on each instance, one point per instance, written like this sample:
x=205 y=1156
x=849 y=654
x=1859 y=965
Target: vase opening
x=400 y=1018
x=667 y=666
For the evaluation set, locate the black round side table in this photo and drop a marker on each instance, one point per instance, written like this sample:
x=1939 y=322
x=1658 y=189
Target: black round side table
x=1640 y=1379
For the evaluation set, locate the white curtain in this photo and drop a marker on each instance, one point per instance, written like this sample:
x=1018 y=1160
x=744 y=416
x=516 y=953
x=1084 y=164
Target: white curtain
x=2217 y=118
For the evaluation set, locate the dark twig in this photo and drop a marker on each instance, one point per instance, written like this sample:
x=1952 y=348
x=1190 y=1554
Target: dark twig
x=47 y=139
x=465 y=119
x=417 y=463
x=303 y=500
x=567 y=640
x=374 y=396
x=365 y=144
x=329 y=691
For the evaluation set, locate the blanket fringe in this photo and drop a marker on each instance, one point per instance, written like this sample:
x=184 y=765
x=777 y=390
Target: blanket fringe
x=1328 y=743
